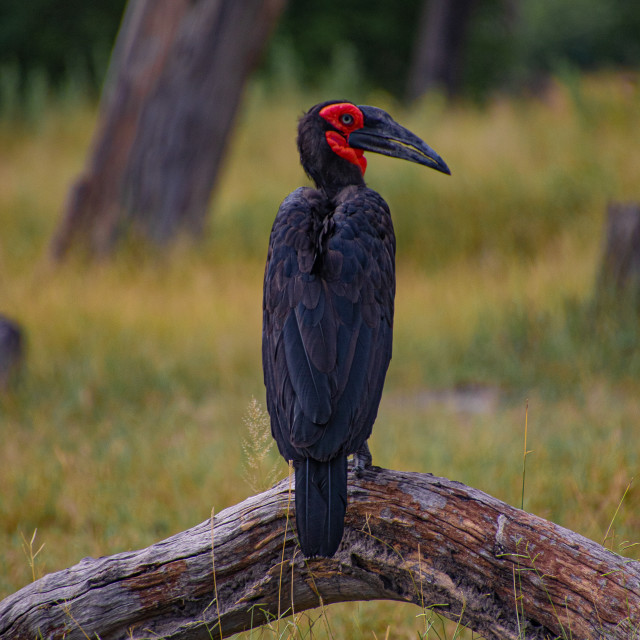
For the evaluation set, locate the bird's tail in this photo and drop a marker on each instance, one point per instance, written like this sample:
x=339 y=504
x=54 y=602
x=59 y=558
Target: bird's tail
x=321 y=502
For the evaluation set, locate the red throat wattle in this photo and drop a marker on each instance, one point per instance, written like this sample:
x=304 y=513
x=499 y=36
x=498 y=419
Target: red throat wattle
x=340 y=146
x=347 y=118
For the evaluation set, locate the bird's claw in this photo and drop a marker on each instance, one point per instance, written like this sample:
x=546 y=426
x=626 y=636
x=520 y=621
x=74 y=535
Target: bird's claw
x=362 y=460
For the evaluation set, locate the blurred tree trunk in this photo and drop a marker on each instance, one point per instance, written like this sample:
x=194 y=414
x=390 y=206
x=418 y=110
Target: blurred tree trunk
x=438 y=55
x=173 y=88
x=619 y=278
x=11 y=351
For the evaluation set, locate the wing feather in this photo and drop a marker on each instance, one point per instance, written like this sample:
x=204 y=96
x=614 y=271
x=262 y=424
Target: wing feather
x=327 y=325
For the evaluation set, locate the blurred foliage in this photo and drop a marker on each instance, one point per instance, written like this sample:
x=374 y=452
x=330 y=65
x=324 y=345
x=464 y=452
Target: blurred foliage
x=52 y=43
x=511 y=43
x=372 y=37
x=516 y=43
x=359 y=45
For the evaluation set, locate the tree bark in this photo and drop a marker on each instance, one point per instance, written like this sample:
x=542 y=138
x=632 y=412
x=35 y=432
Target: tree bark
x=173 y=88
x=409 y=537
x=441 y=35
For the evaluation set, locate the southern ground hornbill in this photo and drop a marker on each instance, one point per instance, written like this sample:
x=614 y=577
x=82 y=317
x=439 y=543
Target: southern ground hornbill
x=329 y=291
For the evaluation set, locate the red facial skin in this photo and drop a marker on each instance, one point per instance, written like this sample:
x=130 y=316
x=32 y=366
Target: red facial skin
x=347 y=118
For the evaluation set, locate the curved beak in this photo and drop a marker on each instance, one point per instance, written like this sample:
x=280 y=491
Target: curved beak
x=382 y=134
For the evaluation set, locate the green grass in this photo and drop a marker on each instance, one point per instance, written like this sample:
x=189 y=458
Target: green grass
x=127 y=422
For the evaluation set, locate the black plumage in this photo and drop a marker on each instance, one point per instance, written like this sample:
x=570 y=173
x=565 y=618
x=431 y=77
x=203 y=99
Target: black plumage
x=328 y=306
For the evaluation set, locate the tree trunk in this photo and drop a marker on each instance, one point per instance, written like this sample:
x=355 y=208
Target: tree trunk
x=619 y=278
x=409 y=537
x=173 y=88
x=441 y=35
x=11 y=351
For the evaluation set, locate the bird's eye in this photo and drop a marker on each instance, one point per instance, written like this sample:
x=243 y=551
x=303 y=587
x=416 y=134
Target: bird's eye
x=346 y=119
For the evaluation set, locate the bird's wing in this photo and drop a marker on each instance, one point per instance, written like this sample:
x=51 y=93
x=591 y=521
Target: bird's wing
x=328 y=316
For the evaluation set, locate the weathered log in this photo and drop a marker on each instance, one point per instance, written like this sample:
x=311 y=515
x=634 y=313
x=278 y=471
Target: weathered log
x=409 y=537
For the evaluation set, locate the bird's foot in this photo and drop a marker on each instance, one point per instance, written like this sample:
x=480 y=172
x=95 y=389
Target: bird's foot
x=362 y=459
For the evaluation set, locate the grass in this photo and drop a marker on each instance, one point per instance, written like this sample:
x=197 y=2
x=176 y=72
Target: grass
x=127 y=423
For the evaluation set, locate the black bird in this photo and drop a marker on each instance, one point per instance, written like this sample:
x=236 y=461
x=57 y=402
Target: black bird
x=329 y=290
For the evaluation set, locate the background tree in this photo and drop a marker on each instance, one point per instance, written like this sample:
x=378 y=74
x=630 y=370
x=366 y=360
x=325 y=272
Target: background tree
x=438 y=57
x=176 y=77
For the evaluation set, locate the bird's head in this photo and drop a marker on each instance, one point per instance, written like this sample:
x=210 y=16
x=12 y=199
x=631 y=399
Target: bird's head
x=333 y=136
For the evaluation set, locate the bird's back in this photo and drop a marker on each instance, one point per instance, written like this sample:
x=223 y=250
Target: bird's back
x=328 y=314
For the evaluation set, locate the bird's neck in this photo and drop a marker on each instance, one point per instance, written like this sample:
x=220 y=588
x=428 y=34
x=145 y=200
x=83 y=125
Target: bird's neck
x=337 y=177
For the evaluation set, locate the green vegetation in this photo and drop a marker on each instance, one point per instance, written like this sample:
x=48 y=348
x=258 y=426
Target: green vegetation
x=511 y=45
x=53 y=43
x=365 y=42
x=127 y=423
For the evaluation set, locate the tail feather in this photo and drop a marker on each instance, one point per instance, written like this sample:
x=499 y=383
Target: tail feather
x=321 y=502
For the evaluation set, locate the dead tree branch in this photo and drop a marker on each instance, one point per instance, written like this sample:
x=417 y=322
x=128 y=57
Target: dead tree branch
x=409 y=537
